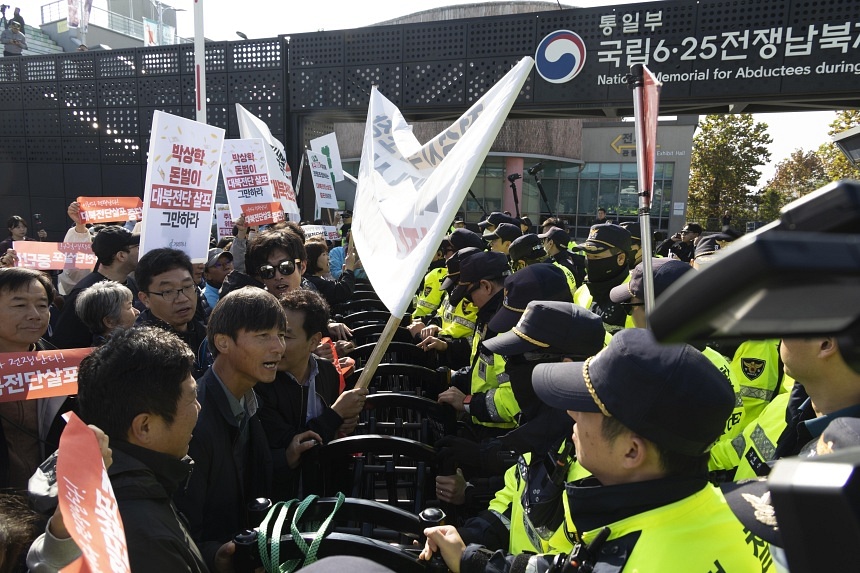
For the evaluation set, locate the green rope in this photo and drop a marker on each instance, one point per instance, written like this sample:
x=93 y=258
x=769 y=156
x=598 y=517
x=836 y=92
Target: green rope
x=311 y=551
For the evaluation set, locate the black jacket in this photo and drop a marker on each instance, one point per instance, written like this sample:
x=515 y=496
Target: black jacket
x=194 y=337
x=336 y=291
x=283 y=409
x=144 y=482
x=226 y=475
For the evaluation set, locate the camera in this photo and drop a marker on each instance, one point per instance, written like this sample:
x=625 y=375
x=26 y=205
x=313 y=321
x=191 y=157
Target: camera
x=514 y=176
x=536 y=168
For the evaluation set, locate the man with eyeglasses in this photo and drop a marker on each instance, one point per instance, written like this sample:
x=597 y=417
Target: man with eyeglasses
x=116 y=250
x=168 y=291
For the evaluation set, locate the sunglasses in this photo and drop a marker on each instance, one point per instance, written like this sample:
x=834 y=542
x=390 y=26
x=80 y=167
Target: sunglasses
x=286 y=268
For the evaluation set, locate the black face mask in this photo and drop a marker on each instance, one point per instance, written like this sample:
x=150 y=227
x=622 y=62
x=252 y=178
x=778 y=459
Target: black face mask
x=602 y=269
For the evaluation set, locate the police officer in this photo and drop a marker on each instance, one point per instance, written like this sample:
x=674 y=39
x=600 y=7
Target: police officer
x=606 y=254
x=502 y=236
x=526 y=250
x=555 y=243
x=644 y=416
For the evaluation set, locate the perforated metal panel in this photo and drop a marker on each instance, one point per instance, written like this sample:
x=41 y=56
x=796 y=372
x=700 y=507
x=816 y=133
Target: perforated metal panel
x=81 y=149
x=495 y=37
x=379 y=45
x=43 y=149
x=79 y=94
x=361 y=79
x=118 y=93
x=39 y=69
x=256 y=55
x=79 y=122
x=120 y=149
x=12 y=122
x=316 y=88
x=316 y=50
x=434 y=83
x=437 y=41
x=116 y=64
x=13 y=150
x=10 y=96
x=146 y=114
x=10 y=69
x=259 y=86
x=118 y=122
x=215 y=58
x=77 y=66
x=160 y=90
x=42 y=123
x=482 y=74
x=160 y=60
x=42 y=95
x=271 y=113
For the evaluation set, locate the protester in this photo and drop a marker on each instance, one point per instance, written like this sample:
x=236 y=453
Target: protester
x=105 y=307
x=335 y=291
x=219 y=264
x=79 y=233
x=232 y=462
x=18 y=232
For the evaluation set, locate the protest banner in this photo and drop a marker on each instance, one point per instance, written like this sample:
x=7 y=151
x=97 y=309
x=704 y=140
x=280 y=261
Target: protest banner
x=54 y=256
x=327 y=145
x=181 y=177
x=87 y=502
x=329 y=232
x=223 y=220
x=321 y=176
x=42 y=374
x=408 y=194
x=251 y=127
x=246 y=178
x=110 y=209
x=257 y=214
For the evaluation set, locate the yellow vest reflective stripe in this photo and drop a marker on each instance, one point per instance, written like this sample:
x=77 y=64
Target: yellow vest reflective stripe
x=735 y=423
x=487 y=374
x=755 y=446
x=430 y=297
x=757 y=368
x=458 y=321
x=568 y=274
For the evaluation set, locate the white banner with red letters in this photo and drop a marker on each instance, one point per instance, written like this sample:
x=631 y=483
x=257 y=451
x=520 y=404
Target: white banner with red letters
x=54 y=256
x=251 y=127
x=246 y=175
x=223 y=220
x=323 y=183
x=408 y=194
x=181 y=177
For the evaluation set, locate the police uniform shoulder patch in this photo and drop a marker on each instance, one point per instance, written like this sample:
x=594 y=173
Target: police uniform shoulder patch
x=427 y=291
x=752 y=367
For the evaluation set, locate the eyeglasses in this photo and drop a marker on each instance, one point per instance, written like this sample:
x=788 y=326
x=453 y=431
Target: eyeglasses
x=629 y=306
x=172 y=294
x=470 y=290
x=286 y=268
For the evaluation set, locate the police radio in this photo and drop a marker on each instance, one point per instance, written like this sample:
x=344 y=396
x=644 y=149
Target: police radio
x=583 y=558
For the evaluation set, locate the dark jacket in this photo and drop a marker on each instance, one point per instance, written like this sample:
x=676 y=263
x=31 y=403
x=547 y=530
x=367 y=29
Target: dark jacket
x=144 y=482
x=334 y=291
x=194 y=337
x=283 y=409
x=226 y=475
x=70 y=331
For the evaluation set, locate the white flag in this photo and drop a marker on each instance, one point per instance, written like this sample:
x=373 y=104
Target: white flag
x=408 y=194
x=251 y=127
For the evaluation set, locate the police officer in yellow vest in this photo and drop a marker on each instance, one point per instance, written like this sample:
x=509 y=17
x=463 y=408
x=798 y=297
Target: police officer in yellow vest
x=644 y=416
x=490 y=399
x=526 y=250
x=430 y=293
x=502 y=236
x=555 y=243
x=526 y=512
x=607 y=251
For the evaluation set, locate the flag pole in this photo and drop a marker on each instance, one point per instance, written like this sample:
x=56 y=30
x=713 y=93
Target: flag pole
x=369 y=369
x=646 y=105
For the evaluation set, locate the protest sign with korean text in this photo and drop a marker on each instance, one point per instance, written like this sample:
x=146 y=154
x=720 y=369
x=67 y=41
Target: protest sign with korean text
x=223 y=220
x=257 y=214
x=181 y=177
x=409 y=193
x=54 y=256
x=323 y=185
x=88 y=503
x=250 y=127
x=110 y=209
x=327 y=146
x=246 y=177
x=329 y=232
x=42 y=374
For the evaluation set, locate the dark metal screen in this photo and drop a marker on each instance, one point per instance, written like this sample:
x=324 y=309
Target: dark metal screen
x=78 y=124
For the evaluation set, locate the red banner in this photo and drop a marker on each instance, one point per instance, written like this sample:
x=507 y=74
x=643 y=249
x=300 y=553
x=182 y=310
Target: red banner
x=262 y=213
x=44 y=374
x=88 y=504
x=110 y=209
x=54 y=256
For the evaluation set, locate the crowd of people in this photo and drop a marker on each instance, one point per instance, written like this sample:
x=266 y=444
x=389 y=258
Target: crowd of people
x=580 y=437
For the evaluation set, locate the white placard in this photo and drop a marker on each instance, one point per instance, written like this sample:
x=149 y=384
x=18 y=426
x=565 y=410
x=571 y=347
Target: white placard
x=327 y=145
x=323 y=185
x=246 y=174
x=223 y=220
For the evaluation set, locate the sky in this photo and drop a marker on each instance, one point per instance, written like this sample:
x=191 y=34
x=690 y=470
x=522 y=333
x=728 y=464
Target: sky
x=269 y=18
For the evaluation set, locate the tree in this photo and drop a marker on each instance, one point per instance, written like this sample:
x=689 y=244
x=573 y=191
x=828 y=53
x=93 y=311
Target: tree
x=800 y=173
x=727 y=149
x=836 y=165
